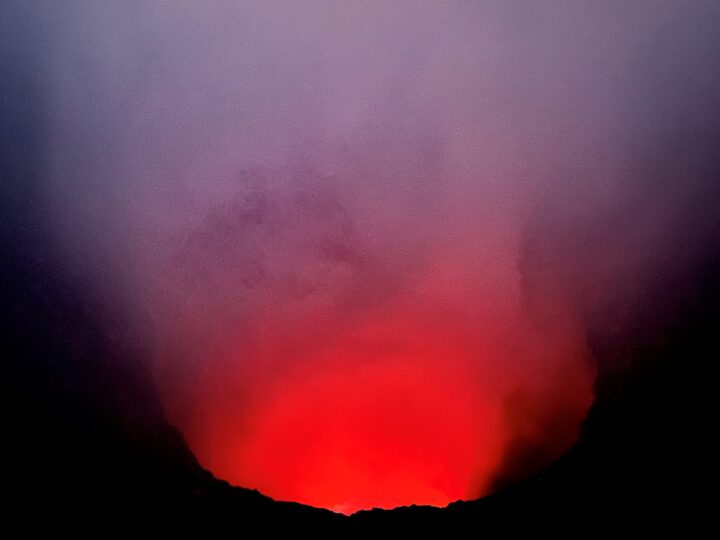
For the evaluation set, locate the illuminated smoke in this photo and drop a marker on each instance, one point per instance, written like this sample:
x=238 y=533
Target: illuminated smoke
x=370 y=237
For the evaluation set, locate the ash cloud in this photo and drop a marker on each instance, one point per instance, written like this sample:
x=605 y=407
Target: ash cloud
x=308 y=173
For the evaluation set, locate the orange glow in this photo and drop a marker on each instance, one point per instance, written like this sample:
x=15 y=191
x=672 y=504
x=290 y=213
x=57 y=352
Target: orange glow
x=399 y=410
x=384 y=435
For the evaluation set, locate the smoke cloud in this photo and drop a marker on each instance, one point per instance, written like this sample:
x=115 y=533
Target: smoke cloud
x=371 y=239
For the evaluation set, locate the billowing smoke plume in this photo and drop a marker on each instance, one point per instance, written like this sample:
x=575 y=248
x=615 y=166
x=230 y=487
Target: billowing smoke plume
x=372 y=238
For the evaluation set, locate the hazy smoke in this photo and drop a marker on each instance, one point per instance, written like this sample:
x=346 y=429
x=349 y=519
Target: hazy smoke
x=300 y=192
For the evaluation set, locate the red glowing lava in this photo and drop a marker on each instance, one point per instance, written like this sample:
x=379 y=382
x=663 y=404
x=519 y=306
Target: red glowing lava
x=383 y=435
x=396 y=411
